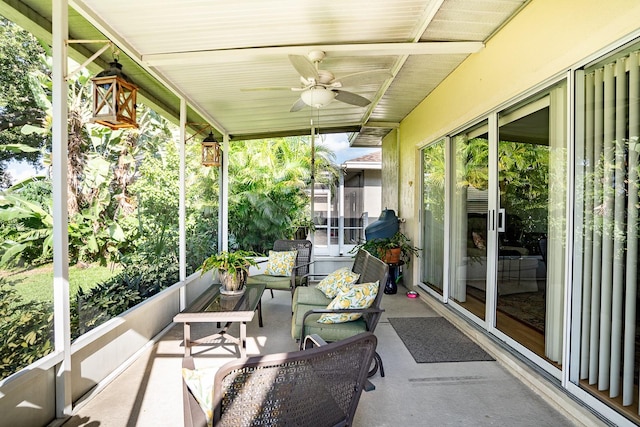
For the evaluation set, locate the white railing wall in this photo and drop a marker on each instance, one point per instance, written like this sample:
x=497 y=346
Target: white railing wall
x=29 y=397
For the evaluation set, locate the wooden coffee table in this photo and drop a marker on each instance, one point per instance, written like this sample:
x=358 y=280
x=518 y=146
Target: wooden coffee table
x=213 y=307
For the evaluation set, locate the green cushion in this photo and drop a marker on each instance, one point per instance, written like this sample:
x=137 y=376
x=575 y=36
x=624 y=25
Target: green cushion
x=271 y=282
x=329 y=332
x=309 y=295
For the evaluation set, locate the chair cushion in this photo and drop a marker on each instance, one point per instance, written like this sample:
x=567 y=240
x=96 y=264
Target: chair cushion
x=271 y=282
x=328 y=331
x=341 y=279
x=358 y=296
x=200 y=383
x=309 y=295
x=280 y=263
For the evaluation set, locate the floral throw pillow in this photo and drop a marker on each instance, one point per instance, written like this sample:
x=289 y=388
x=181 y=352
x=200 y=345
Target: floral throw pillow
x=281 y=263
x=200 y=382
x=358 y=296
x=341 y=279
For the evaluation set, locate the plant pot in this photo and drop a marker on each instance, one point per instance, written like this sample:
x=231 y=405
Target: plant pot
x=232 y=282
x=301 y=233
x=391 y=256
x=229 y=302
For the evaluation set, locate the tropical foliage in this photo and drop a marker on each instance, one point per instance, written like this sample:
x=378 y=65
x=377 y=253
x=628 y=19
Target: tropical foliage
x=122 y=198
x=20 y=57
x=524 y=174
x=26 y=328
x=90 y=308
x=528 y=191
x=268 y=189
x=27 y=230
x=434 y=181
x=229 y=261
x=379 y=246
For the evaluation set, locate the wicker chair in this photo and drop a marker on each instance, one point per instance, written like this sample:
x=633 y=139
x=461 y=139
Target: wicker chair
x=320 y=386
x=299 y=275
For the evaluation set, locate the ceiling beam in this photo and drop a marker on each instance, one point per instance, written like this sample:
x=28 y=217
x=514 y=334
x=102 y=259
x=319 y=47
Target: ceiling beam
x=391 y=125
x=332 y=51
x=293 y=132
x=427 y=16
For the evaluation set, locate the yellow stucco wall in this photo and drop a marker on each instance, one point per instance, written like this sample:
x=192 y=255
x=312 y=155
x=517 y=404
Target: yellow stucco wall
x=545 y=39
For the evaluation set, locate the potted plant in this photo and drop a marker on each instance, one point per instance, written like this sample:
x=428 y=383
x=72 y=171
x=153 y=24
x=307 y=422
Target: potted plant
x=302 y=228
x=233 y=269
x=392 y=249
x=399 y=248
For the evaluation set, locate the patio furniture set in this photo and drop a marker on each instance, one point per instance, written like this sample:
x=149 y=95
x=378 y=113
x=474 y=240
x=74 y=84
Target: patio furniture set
x=317 y=386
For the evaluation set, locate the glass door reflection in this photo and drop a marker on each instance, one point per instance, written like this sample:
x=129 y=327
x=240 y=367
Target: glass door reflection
x=531 y=181
x=469 y=219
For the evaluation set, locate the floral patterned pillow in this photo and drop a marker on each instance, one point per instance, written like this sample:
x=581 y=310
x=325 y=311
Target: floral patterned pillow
x=358 y=296
x=200 y=382
x=281 y=263
x=341 y=279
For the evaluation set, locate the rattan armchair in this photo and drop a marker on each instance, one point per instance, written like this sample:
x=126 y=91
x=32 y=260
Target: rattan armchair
x=320 y=386
x=300 y=273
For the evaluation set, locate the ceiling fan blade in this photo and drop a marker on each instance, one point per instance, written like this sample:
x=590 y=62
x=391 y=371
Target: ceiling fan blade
x=351 y=98
x=304 y=67
x=364 y=77
x=297 y=106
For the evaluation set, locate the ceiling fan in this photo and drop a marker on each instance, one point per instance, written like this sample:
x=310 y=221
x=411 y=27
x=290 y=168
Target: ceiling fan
x=320 y=87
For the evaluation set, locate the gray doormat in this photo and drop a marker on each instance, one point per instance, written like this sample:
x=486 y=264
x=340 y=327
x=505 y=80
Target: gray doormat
x=435 y=339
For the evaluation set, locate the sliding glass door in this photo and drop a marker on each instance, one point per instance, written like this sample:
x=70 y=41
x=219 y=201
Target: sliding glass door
x=531 y=222
x=508 y=228
x=433 y=219
x=469 y=210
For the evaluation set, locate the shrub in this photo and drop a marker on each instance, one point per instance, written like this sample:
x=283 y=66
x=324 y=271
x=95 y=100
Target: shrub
x=137 y=282
x=26 y=328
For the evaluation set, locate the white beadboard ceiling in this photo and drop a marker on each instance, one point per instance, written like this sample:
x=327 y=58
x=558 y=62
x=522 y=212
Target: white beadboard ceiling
x=216 y=53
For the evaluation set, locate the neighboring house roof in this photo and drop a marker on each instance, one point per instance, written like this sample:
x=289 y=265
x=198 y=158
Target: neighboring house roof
x=368 y=161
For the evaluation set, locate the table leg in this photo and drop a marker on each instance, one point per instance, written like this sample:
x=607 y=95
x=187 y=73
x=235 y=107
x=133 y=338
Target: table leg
x=260 y=313
x=187 y=339
x=243 y=339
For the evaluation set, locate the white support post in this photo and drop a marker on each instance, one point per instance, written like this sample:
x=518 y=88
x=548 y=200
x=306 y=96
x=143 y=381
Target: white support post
x=312 y=207
x=61 y=305
x=223 y=212
x=182 y=204
x=341 y=213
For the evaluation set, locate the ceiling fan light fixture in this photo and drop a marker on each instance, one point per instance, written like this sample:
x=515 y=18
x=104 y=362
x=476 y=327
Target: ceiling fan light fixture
x=317 y=97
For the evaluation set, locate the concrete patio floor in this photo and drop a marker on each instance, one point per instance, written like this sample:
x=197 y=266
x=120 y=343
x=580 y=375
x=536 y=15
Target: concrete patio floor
x=148 y=392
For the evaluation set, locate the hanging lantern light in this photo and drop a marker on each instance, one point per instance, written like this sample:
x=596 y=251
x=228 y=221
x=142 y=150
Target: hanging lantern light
x=114 y=98
x=210 y=151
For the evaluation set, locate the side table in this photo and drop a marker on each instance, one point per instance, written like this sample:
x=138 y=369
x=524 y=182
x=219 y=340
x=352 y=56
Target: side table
x=213 y=307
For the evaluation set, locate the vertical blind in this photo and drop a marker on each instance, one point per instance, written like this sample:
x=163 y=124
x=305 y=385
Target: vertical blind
x=610 y=227
x=556 y=236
